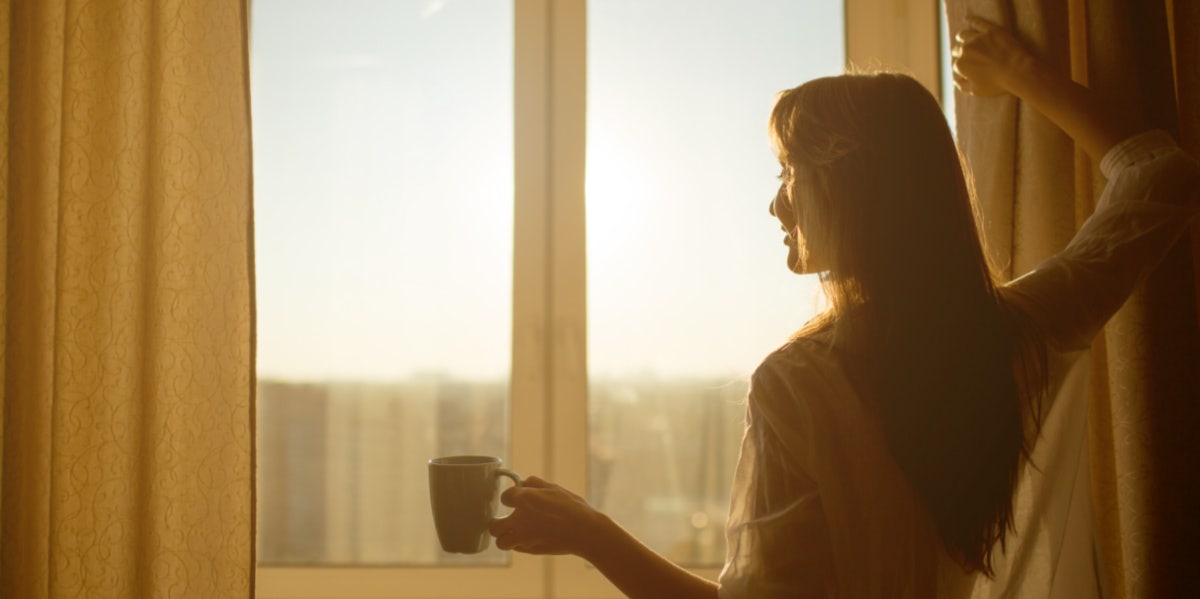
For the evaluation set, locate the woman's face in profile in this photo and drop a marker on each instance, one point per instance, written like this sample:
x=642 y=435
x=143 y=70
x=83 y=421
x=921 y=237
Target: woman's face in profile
x=783 y=208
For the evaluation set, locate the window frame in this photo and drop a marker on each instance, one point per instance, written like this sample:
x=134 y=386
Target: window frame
x=549 y=385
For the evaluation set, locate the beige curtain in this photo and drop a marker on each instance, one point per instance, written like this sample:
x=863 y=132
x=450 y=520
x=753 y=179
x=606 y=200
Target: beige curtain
x=126 y=296
x=1113 y=510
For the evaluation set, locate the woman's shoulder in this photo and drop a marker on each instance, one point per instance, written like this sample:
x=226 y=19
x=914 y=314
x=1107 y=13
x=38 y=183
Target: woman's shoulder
x=805 y=369
x=808 y=354
x=802 y=396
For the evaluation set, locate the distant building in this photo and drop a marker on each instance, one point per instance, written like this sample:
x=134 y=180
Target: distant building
x=342 y=466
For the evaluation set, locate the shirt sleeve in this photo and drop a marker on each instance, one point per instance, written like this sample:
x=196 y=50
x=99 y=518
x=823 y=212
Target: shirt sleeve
x=1150 y=200
x=777 y=536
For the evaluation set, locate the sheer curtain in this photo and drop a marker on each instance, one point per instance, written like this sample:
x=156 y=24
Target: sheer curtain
x=126 y=298
x=1110 y=509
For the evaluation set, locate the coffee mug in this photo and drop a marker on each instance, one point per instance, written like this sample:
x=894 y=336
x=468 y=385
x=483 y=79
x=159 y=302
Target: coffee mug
x=464 y=494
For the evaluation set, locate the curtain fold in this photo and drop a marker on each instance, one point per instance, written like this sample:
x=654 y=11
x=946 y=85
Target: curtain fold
x=126 y=302
x=1141 y=401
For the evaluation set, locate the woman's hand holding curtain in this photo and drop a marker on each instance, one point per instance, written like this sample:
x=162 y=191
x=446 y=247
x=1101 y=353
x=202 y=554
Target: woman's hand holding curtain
x=988 y=60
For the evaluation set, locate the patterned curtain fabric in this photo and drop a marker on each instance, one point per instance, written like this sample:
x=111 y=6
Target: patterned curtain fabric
x=1144 y=429
x=1133 y=536
x=126 y=300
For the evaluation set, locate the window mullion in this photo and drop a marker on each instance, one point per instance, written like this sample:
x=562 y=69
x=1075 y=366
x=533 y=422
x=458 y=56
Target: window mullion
x=567 y=416
x=532 y=256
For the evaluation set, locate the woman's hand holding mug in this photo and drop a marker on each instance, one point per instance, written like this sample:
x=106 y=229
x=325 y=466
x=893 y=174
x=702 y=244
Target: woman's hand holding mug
x=548 y=520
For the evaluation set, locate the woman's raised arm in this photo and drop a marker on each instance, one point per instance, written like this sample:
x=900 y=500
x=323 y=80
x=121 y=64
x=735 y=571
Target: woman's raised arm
x=989 y=61
x=1149 y=200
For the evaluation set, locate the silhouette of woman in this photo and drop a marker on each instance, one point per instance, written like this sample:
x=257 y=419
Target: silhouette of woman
x=883 y=442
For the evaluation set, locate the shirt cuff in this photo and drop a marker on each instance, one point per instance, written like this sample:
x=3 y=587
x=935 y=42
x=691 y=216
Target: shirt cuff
x=1137 y=149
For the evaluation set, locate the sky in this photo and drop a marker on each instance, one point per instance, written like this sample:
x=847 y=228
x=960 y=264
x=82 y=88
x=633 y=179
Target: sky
x=383 y=184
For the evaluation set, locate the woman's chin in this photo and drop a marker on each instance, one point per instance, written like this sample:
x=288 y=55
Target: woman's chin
x=804 y=267
x=794 y=263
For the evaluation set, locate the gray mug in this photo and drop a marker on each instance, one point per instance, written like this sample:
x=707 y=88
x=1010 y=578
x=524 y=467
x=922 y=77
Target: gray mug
x=464 y=494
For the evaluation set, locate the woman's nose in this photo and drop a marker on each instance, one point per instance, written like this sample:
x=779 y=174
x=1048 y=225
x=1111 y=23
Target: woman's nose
x=779 y=195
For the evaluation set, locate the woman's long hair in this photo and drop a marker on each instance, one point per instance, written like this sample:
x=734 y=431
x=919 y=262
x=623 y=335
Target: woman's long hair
x=955 y=374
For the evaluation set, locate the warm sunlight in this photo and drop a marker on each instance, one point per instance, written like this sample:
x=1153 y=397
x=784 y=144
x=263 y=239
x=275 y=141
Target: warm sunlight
x=384 y=189
x=686 y=272
x=385 y=215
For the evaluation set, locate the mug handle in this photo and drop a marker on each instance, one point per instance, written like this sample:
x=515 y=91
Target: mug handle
x=516 y=478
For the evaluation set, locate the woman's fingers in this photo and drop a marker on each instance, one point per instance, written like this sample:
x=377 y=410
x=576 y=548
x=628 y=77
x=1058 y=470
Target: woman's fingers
x=534 y=491
x=976 y=26
x=511 y=496
x=980 y=23
x=986 y=58
x=961 y=83
x=966 y=35
x=505 y=537
x=529 y=532
x=534 y=481
x=515 y=526
x=527 y=491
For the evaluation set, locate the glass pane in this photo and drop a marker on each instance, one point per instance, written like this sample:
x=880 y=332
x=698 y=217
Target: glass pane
x=688 y=287
x=383 y=184
x=946 y=69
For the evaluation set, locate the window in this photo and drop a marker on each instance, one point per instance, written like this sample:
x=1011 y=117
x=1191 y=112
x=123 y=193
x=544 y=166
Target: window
x=687 y=284
x=384 y=236
x=945 y=70
x=535 y=229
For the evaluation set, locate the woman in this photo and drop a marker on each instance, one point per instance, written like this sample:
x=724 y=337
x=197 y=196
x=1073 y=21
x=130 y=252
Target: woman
x=884 y=441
